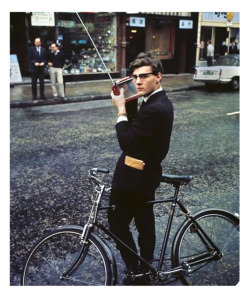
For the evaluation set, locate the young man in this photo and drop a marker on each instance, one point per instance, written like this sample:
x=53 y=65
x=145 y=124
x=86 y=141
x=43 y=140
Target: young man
x=56 y=62
x=142 y=135
x=37 y=58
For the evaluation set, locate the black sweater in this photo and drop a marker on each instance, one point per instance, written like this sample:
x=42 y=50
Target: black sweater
x=58 y=60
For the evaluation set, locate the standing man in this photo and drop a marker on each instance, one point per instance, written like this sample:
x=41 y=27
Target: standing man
x=210 y=53
x=56 y=62
x=37 y=58
x=144 y=138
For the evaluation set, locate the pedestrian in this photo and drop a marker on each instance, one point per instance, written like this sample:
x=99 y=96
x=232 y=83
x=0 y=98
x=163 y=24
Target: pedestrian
x=56 y=62
x=144 y=138
x=202 y=50
x=233 y=48
x=37 y=58
x=210 y=53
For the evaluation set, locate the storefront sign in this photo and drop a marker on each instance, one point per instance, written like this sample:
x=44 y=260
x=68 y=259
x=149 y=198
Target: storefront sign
x=220 y=16
x=43 y=19
x=66 y=24
x=137 y=22
x=185 y=24
x=15 y=74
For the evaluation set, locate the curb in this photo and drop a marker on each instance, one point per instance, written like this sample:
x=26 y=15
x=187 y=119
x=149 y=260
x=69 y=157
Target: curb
x=36 y=103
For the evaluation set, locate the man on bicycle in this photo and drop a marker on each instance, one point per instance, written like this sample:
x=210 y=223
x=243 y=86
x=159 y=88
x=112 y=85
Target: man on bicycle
x=144 y=137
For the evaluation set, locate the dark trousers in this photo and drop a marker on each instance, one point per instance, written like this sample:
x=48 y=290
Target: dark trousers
x=34 y=76
x=209 y=61
x=127 y=208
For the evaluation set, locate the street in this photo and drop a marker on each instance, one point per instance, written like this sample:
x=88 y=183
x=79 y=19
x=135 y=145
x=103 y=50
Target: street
x=53 y=147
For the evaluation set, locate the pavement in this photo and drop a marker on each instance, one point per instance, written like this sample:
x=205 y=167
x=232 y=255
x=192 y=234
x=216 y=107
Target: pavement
x=21 y=96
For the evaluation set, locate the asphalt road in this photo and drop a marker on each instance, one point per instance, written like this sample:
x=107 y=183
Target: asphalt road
x=53 y=147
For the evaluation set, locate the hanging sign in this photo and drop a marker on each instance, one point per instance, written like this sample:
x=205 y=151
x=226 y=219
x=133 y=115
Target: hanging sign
x=137 y=22
x=43 y=19
x=185 y=24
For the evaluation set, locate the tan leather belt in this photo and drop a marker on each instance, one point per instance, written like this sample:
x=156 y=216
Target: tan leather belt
x=134 y=163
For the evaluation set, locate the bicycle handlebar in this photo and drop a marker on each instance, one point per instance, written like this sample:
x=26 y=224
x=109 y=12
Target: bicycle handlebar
x=93 y=171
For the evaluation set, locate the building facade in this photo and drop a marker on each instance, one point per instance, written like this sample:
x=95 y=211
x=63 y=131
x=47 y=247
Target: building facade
x=119 y=37
x=215 y=27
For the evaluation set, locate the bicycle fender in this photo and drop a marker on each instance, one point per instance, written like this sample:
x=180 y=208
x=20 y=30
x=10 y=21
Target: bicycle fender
x=74 y=227
x=110 y=256
x=103 y=243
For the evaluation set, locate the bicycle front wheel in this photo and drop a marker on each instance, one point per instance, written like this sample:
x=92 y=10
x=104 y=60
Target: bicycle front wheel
x=54 y=254
x=223 y=229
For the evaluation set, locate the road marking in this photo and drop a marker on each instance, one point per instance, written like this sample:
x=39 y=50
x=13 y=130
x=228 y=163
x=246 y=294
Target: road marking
x=233 y=113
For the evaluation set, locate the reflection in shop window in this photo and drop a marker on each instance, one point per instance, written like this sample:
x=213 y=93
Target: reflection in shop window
x=160 y=38
x=81 y=56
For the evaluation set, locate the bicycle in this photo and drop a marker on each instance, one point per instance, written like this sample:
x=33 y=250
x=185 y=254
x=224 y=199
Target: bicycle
x=205 y=249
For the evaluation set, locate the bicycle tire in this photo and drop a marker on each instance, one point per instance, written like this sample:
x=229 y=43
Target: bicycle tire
x=223 y=228
x=53 y=255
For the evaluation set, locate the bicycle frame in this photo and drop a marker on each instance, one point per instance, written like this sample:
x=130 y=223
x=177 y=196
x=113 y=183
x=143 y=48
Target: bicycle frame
x=185 y=267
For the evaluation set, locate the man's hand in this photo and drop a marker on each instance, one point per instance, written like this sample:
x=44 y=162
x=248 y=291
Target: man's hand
x=119 y=101
x=39 y=64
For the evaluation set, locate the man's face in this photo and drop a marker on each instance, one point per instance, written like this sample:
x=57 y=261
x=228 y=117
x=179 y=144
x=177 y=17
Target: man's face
x=148 y=82
x=53 y=47
x=38 y=42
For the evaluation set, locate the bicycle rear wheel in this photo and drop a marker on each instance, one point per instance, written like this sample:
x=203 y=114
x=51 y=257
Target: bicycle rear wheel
x=55 y=253
x=223 y=229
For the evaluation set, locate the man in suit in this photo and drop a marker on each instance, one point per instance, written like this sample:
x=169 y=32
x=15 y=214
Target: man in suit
x=144 y=138
x=37 y=58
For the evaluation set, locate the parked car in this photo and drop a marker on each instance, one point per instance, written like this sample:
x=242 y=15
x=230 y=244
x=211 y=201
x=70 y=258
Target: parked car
x=226 y=70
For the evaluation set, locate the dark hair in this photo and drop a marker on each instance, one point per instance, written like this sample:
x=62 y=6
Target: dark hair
x=146 y=59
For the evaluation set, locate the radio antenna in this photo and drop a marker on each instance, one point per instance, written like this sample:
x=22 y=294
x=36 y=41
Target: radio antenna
x=96 y=50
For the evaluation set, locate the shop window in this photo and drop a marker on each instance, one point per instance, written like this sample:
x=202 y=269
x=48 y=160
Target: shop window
x=160 y=38
x=81 y=56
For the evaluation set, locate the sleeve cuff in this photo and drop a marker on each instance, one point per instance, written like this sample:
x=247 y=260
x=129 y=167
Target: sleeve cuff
x=122 y=118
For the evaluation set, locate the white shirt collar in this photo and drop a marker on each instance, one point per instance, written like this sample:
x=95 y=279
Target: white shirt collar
x=147 y=97
x=55 y=52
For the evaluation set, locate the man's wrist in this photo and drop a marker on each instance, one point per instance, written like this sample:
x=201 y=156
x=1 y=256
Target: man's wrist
x=122 y=114
x=122 y=111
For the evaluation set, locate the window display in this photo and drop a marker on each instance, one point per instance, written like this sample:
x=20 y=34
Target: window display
x=80 y=53
x=160 y=38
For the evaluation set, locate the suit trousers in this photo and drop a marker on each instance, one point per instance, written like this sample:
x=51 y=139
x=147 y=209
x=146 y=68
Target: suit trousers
x=127 y=207
x=34 y=76
x=56 y=75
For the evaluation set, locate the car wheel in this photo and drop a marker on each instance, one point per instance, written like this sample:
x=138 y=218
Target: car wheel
x=235 y=83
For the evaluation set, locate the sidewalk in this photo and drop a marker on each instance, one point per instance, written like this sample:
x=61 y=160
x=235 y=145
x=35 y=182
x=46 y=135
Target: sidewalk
x=20 y=94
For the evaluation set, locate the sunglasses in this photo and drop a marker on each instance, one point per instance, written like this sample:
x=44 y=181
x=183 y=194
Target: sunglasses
x=141 y=76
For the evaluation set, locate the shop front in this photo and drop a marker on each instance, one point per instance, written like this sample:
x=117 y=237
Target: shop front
x=119 y=37
x=67 y=31
x=164 y=36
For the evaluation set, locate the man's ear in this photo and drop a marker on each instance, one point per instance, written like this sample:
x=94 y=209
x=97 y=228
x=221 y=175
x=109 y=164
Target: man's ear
x=159 y=77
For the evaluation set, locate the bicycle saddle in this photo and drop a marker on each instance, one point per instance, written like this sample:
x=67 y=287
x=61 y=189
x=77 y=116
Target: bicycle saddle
x=176 y=179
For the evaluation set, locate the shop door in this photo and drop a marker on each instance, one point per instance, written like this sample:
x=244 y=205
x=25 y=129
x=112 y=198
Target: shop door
x=135 y=37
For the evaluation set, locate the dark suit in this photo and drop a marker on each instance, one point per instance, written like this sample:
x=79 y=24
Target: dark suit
x=37 y=72
x=146 y=136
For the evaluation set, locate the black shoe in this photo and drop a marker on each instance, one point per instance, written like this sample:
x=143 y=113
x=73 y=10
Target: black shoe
x=43 y=97
x=34 y=98
x=132 y=280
